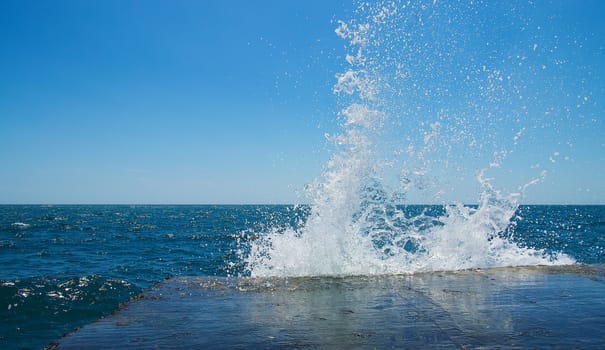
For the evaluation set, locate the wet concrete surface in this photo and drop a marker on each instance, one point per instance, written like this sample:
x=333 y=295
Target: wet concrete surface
x=531 y=307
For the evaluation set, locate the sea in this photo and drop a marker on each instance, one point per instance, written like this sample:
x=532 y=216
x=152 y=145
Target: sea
x=65 y=266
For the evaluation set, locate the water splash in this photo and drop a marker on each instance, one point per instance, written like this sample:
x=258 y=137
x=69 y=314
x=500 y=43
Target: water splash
x=406 y=74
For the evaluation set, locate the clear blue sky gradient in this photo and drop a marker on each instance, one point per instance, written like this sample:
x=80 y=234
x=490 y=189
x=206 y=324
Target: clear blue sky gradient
x=219 y=102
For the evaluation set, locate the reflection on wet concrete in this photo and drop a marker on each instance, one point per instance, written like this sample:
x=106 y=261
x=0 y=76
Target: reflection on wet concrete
x=509 y=307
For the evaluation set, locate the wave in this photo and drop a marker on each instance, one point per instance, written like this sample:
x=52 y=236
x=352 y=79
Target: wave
x=355 y=225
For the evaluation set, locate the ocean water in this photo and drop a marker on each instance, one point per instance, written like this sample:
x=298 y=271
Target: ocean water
x=66 y=266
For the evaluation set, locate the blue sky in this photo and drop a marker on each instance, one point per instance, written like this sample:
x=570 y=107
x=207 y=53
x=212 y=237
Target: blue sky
x=226 y=102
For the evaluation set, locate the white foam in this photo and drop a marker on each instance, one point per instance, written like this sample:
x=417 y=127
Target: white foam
x=21 y=225
x=355 y=226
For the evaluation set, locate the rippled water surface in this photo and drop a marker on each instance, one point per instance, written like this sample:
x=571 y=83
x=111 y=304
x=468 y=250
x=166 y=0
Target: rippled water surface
x=66 y=266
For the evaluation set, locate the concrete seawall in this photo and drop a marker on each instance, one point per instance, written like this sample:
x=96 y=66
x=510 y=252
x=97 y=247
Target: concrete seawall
x=530 y=307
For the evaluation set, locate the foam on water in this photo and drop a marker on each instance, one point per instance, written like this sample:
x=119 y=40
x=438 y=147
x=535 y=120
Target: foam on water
x=356 y=225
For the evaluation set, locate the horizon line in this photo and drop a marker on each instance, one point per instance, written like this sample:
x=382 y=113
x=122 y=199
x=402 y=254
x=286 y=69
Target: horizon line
x=273 y=204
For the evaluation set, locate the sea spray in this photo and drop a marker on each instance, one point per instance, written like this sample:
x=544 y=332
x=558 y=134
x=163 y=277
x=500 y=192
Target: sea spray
x=356 y=224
